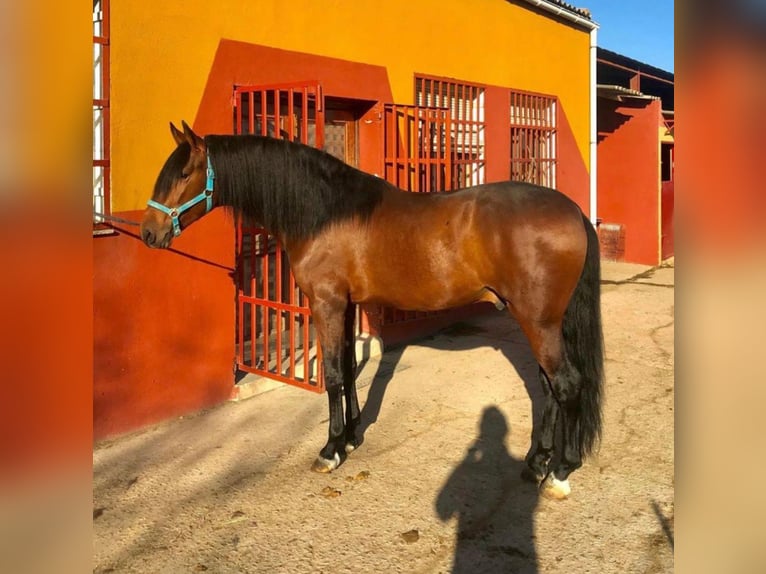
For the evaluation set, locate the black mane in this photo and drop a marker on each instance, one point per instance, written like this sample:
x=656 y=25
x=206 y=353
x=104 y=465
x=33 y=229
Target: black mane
x=289 y=188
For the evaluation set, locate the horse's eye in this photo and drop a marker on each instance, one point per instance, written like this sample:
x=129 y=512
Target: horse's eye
x=185 y=175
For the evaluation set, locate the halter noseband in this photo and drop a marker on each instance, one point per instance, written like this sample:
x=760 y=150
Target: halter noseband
x=176 y=212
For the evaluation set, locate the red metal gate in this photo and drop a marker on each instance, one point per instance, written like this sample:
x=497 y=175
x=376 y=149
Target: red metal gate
x=275 y=334
x=418 y=157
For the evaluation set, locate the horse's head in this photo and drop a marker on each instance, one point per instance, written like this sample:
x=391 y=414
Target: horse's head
x=183 y=192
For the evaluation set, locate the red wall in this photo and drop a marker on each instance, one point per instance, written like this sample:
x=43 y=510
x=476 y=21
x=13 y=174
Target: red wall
x=497 y=136
x=163 y=326
x=243 y=64
x=629 y=174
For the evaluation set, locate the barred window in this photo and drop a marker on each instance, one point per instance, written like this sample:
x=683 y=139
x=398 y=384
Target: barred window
x=466 y=105
x=100 y=107
x=533 y=138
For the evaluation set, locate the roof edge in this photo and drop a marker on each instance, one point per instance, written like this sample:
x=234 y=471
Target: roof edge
x=614 y=91
x=623 y=59
x=580 y=16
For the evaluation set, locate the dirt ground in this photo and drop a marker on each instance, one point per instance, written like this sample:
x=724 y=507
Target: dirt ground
x=434 y=488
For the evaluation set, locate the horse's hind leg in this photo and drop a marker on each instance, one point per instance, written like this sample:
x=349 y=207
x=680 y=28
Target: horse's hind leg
x=349 y=380
x=561 y=384
x=567 y=389
x=329 y=318
x=541 y=450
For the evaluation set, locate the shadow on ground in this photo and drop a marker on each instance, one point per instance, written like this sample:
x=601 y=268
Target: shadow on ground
x=494 y=507
x=500 y=332
x=437 y=489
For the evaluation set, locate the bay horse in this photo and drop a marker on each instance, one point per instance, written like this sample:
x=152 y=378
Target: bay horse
x=353 y=238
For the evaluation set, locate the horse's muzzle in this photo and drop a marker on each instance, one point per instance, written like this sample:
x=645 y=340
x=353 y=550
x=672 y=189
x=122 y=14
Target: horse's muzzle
x=156 y=238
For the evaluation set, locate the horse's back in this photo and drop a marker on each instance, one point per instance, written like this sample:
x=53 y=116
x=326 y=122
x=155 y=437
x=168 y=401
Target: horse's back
x=524 y=203
x=517 y=218
x=431 y=251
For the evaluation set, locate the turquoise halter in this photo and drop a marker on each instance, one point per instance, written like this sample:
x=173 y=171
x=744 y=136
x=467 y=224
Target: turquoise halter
x=176 y=212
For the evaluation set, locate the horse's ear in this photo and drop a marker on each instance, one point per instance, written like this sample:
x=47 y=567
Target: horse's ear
x=178 y=135
x=196 y=142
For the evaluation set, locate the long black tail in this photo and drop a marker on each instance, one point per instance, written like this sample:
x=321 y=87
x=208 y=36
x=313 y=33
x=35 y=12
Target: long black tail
x=584 y=342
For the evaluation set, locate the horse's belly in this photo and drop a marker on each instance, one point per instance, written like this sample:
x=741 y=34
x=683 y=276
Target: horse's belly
x=415 y=274
x=421 y=295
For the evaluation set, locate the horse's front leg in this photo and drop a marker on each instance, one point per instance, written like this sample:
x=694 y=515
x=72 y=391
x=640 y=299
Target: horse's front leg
x=353 y=415
x=329 y=315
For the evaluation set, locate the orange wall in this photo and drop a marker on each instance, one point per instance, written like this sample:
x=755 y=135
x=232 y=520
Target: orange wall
x=163 y=326
x=238 y=63
x=163 y=53
x=629 y=174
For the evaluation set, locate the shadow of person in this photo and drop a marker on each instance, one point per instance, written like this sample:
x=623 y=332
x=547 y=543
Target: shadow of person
x=494 y=506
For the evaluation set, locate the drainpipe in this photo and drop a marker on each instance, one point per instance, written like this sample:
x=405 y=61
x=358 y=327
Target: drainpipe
x=593 y=130
x=591 y=26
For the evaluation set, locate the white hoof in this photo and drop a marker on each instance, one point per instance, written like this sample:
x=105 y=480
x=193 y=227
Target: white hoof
x=350 y=448
x=554 y=488
x=324 y=465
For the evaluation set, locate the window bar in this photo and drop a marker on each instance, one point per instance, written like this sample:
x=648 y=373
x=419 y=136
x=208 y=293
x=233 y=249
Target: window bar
x=253 y=330
x=265 y=295
x=291 y=367
x=251 y=115
x=264 y=112
x=306 y=342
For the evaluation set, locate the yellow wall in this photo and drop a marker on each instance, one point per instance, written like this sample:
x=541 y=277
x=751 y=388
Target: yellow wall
x=162 y=53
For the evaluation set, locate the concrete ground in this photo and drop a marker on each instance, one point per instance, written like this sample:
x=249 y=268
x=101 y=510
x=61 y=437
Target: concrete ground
x=434 y=488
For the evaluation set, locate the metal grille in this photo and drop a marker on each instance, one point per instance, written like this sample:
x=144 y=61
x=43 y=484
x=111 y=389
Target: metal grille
x=417 y=148
x=465 y=103
x=275 y=333
x=533 y=138
x=101 y=163
x=418 y=156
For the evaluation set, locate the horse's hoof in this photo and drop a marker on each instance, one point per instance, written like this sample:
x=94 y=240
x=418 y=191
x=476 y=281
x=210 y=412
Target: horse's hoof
x=323 y=465
x=554 y=488
x=531 y=476
x=353 y=444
